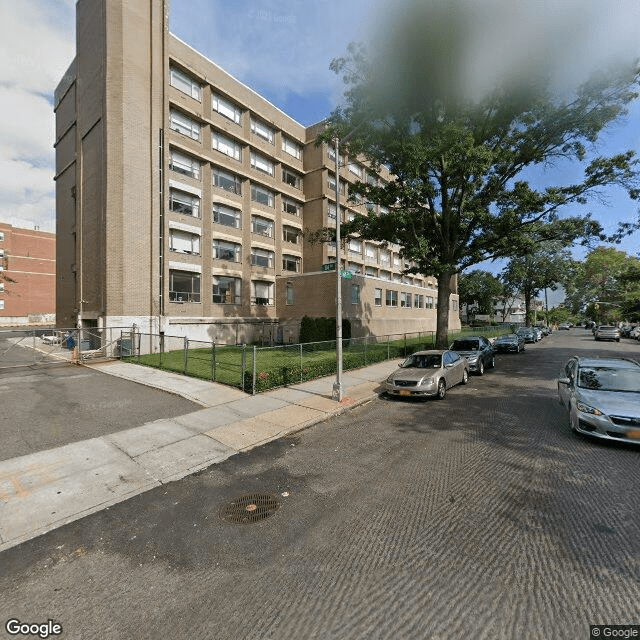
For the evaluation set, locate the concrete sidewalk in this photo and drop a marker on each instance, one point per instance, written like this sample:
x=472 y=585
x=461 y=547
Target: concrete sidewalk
x=45 y=490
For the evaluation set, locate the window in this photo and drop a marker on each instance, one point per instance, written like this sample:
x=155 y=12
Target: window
x=184 y=286
x=291 y=206
x=418 y=301
x=385 y=275
x=184 y=242
x=1 y=236
x=226 y=145
x=396 y=262
x=454 y=305
x=291 y=147
x=184 y=125
x=429 y=302
x=1 y=253
x=184 y=203
x=227 y=216
x=354 y=268
x=261 y=292
x=355 y=247
x=262 y=195
x=226 y=108
x=405 y=299
x=370 y=271
x=291 y=178
x=227 y=290
x=289 y=293
x=396 y=278
x=261 y=163
x=262 y=130
x=331 y=183
x=331 y=213
x=392 y=298
x=355 y=294
x=227 y=181
x=230 y=251
x=262 y=226
x=290 y=234
x=290 y=263
x=377 y=298
x=186 y=84
x=1 y=286
x=370 y=252
x=1 y=304
x=385 y=257
x=184 y=164
x=407 y=280
x=371 y=179
x=351 y=216
x=262 y=258
x=355 y=169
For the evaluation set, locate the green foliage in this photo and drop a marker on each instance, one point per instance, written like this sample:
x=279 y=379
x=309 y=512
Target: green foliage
x=479 y=288
x=456 y=196
x=308 y=330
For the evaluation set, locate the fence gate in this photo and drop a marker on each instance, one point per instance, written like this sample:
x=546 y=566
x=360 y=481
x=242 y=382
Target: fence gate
x=33 y=347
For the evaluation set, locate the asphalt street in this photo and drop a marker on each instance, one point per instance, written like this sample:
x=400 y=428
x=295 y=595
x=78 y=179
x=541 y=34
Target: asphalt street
x=481 y=516
x=49 y=404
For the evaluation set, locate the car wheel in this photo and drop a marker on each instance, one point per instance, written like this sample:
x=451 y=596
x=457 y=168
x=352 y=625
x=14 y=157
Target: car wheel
x=480 y=368
x=617 y=339
x=442 y=389
x=465 y=377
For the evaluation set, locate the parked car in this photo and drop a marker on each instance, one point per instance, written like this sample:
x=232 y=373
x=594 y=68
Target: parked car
x=478 y=352
x=539 y=333
x=602 y=397
x=428 y=373
x=528 y=334
x=607 y=332
x=635 y=333
x=509 y=342
x=564 y=326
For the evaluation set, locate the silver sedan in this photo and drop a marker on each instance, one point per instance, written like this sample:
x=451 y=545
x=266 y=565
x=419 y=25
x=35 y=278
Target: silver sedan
x=602 y=397
x=428 y=373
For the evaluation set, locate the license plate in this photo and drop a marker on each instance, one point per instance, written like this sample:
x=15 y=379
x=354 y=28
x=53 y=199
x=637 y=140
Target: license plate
x=405 y=392
x=633 y=434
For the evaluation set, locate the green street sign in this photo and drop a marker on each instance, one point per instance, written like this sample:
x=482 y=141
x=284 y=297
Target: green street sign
x=346 y=274
x=329 y=266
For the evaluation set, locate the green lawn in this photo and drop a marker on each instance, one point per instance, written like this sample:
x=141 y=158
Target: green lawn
x=278 y=366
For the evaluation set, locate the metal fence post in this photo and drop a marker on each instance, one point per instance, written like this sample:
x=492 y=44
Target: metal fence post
x=405 y=346
x=244 y=363
x=388 y=349
x=213 y=361
x=186 y=354
x=253 y=389
x=365 y=350
x=301 y=362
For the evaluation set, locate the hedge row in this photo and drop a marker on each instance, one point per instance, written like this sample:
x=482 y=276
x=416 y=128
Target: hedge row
x=322 y=329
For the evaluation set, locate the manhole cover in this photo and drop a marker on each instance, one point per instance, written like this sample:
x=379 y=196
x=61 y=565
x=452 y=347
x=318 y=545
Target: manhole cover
x=249 y=508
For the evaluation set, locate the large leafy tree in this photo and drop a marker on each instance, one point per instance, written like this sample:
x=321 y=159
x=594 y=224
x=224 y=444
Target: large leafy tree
x=478 y=289
x=458 y=195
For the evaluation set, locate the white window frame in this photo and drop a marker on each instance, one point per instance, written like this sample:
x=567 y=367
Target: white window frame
x=262 y=226
x=230 y=178
x=289 y=202
x=289 y=231
x=226 y=108
x=185 y=199
x=291 y=147
x=294 y=260
x=257 y=253
x=289 y=293
x=233 y=298
x=1 y=304
x=225 y=145
x=257 y=190
x=377 y=297
x=222 y=212
x=355 y=294
x=391 y=298
x=266 y=289
x=355 y=168
x=184 y=242
x=355 y=247
x=405 y=300
x=1 y=236
x=260 y=163
x=184 y=164
x=291 y=178
x=262 y=130
x=234 y=250
x=184 y=125
x=185 y=83
x=191 y=296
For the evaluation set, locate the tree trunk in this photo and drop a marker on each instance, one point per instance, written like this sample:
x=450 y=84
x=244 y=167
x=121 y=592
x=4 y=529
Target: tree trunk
x=442 y=327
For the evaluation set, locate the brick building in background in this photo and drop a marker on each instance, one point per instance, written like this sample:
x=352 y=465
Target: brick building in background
x=27 y=276
x=182 y=197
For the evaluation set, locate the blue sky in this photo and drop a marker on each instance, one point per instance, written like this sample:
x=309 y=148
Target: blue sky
x=282 y=49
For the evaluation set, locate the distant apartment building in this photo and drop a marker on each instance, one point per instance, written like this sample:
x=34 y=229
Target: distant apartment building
x=27 y=276
x=183 y=198
x=511 y=311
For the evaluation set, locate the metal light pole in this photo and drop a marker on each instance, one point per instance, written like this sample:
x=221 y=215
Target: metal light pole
x=337 y=385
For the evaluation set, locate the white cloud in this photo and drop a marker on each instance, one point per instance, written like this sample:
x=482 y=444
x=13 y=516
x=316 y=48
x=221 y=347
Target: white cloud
x=38 y=37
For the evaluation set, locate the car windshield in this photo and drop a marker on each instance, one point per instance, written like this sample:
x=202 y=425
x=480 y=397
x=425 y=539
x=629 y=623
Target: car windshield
x=465 y=345
x=429 y=361
x=521 y=332
x=507 y=338
x=609 y=379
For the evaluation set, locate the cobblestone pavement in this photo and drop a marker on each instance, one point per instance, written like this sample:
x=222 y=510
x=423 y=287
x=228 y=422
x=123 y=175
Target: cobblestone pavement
x=481 y=517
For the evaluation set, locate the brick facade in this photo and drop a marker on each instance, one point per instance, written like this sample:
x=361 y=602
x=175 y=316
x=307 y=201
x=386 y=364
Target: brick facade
x=28 y=276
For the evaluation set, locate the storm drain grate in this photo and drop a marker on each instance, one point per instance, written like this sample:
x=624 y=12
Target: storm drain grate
x=249 y=508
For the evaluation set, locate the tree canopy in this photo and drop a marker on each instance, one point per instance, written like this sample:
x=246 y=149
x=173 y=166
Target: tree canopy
x=478 y=289
x=457 y=195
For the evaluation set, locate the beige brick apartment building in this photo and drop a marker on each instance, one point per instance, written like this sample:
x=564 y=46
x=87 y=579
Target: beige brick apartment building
x=182 y=198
